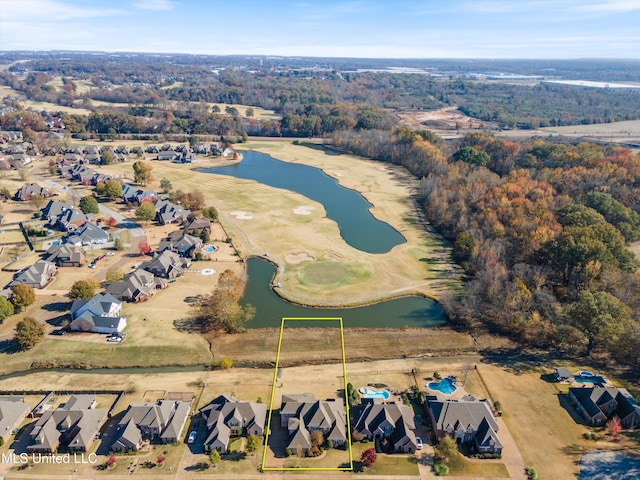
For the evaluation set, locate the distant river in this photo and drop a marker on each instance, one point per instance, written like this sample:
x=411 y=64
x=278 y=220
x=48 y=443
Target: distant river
x=350 y=210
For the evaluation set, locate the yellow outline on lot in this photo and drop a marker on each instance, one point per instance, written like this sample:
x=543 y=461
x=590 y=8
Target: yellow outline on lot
x=273 y=393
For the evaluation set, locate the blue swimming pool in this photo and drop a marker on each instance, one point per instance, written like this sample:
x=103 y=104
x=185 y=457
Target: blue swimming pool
x=444 y=386
x=371 y=393
x=210 y=248
x=596 y=380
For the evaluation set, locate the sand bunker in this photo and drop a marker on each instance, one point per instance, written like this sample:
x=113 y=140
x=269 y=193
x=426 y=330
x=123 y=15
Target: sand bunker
x=335 y=257
x=241 y=215
x=296 y=258
x=304 y=210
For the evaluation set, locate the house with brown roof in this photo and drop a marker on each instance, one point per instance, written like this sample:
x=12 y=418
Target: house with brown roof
x=136 y=286
x=302 y=414
x=27 y=192
x=468 y=421
x=197 y=226
x=227 y=417
x=598 y=404
x=167 y=212
x=65 y=255
x=38 y=275
x=390 y=423
x=74 y=425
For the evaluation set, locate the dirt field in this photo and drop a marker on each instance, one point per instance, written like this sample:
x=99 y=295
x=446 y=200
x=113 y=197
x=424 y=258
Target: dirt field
x=274 y=226
x=444 y=120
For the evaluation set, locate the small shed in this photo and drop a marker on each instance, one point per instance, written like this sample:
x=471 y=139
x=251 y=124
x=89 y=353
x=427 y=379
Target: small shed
x=562 y=374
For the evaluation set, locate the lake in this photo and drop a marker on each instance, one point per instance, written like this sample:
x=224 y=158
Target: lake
x=414 y=311
x=350 y=210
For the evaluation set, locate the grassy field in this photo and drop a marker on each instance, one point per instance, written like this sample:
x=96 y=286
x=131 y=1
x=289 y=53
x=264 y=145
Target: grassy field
x=419 y=266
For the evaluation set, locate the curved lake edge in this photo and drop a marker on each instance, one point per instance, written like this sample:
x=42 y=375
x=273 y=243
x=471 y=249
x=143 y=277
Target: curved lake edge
x=290 y=298
x=328 y=174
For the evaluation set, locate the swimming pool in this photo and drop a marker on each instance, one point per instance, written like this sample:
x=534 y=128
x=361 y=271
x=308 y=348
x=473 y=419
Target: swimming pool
x=371 y=393
x=596 y=380
x=210 y=248
x=444 y=386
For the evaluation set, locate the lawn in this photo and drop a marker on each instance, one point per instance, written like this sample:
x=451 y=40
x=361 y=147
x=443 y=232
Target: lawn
x=398 y=464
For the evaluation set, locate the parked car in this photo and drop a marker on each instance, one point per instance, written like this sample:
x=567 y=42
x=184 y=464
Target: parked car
x=114 y=339
x=192 y=437
x=110 y=254
x=419 y=443
x=59 y=331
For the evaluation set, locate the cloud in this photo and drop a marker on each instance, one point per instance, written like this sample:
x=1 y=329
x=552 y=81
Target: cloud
x=157 y=5
x=53 y=10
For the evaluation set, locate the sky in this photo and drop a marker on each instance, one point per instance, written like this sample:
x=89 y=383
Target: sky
x=549 y=29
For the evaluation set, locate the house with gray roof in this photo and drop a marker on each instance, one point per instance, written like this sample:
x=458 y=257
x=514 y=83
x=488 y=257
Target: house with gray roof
x=391 y=423
x=88 y=234
x=65 y=255
x=53 y=209
x=72 y=219
x=73 y=425
x=166 y=264
x=38 y=275
x=227 y=417
x=197 y=226
x=12 y=412
x=168 y=212
x=136 y=286
x=181 y=243
x=468 y=421
x=599 y=404
x=162 y=422
x=169 y=155
x=302 y=414
x=27 y=192
x=101 y=314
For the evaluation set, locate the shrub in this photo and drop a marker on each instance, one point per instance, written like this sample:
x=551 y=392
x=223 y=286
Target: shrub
x=287 y=452
x=369 y=457
x=308 y=453
x=436 y=375
x=531 y=473
x=440 y=469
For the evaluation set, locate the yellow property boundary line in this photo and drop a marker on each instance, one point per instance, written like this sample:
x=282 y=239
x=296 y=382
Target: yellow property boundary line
x=346 y=401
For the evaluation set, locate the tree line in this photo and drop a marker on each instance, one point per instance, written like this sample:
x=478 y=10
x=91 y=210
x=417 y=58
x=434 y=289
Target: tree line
x=541 y=229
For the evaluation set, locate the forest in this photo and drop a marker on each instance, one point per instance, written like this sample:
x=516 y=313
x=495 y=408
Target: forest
x=540 y=228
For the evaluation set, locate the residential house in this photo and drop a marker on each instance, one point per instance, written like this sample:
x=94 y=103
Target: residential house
x=88 y=234
x=12 y=412
x=72 y=157
x=167 y=212
x=101 y=314
x=136 y=286
x=167 y=155
x=38 y=275
x=468 y=420
x=185 y=157
x=152 y=149
x=390 y=423
x=162 y=421
x=301 y=414
x=20 y=160
x=182 y=243
x=65 y=255
x=599 y=404
x=26 y=192
x=144 y=196
x=72 y=219
x=53 y=209
x=74 y=425
x=197 y=226
x=92 y=159
x=227 y=417
x=166 y=264
x=123 y=149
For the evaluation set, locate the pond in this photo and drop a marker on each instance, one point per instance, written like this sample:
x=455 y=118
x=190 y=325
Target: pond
x=350 y=210
x=414 y=311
